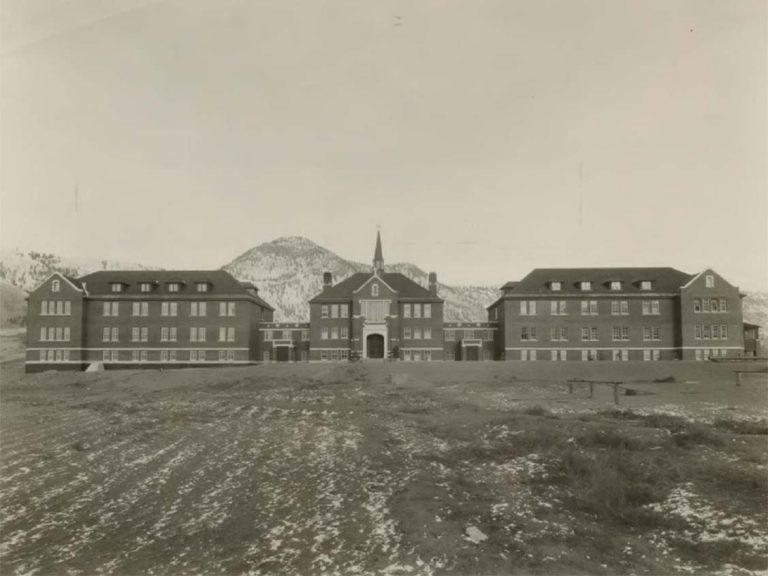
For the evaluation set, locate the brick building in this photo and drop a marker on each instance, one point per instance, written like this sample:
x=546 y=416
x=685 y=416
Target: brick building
x=144 y=318
x=469 y=340
x=376 y=314
x=618 y=314
x=284 y=341
x=183 y=318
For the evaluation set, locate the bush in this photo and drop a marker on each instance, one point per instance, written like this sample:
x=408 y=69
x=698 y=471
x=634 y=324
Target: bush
x=759 y=427
x=536 y=411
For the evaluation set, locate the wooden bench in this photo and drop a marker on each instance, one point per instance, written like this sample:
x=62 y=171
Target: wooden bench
x=614 y=383
x=740 y=372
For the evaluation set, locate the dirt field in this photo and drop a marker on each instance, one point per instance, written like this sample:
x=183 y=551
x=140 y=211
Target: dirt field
x=485 y=468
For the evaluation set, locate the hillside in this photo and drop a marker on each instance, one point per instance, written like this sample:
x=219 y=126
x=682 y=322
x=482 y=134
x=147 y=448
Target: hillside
x=13 y=306
x=288 y=272
x=27 y=269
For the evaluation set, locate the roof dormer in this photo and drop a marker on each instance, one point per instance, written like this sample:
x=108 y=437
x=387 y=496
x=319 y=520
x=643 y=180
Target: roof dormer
x=117 y=286
x=203 y=286
x=615 y=285
x=555 y=285
x=646 y=284
x=585 y=285
x=175 y=286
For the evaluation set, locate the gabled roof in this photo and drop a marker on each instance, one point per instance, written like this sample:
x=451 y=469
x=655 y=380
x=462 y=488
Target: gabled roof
x=221 y=283
x=537 y=281
x=405 y=287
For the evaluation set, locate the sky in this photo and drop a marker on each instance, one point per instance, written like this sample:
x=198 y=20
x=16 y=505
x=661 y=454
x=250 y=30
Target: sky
x=485 y=138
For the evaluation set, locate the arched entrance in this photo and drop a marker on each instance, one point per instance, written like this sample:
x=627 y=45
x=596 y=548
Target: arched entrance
x=375 y=345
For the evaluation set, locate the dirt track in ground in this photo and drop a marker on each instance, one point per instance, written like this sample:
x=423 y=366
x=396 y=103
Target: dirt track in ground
x=338 y=469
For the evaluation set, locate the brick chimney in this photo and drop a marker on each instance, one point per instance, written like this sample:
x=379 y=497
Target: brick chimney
x=433 y=283
x=327 y=280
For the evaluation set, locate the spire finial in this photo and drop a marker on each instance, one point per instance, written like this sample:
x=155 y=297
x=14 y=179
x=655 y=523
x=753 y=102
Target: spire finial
x=378 y=258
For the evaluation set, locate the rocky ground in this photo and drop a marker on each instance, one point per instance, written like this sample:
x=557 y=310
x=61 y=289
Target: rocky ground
x=383 y=468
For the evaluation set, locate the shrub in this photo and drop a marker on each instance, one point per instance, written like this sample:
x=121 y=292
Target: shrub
x=759 y=427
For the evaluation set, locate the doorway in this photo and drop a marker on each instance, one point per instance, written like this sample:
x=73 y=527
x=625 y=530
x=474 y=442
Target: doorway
x=375 y=346
x=282 y=354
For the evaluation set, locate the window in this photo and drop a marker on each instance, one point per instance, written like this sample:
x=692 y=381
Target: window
x=105 y=334
x=615 y=285
x=593 y=333
x=66 y=335
x=646 y=285
x=620 y=333
x=43 y=334
x=169 y=309
x=374 y=290
x=416 y=333
x=68 y=308
x=697 y=304
x=560 y=355
x=528 y=333
x=111 y=308
x=135 y=334
x=558 y=334
x=528 y=354
x=324 y=311
x=705 y=305
x=450 y=335
x=697 y=331
x=589 y=307
x=115 y=335
x=344 y=310
x=374 y=310
x=173 y=287
x=140 y=309
x=59 y=307
x=585 y=285
x=334 y=311
x=406 y=310
x=723 y=305
x=117 y=287
x=427 y=333
x=417 y=310
x=558 y=308
x=427 y=310
x=407 y=333
x=343 y=332
x=201 y=334
x=323 y=355
x=620 y=355
x=528 y=308
x=724 y=331
x=44 y=308
x=709 y=281
x=145 y=287
x=268 y=336
x=305 y=334
x=334 y=333
x=584 y=334
x=202 y=287
x=324 y=333
x=555 y=286
x=706 y=331
x=655 y=333
x=55 y=286
x=714 y=305
x=230 y=308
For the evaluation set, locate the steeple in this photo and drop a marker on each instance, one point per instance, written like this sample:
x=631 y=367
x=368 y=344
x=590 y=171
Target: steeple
x=378 y=259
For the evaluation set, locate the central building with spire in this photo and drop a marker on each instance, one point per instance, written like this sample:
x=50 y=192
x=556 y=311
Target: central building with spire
x=376 y=315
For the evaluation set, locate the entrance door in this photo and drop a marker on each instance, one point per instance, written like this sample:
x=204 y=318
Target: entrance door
x=471 y=353
x=282 y=354
x=375 y=346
